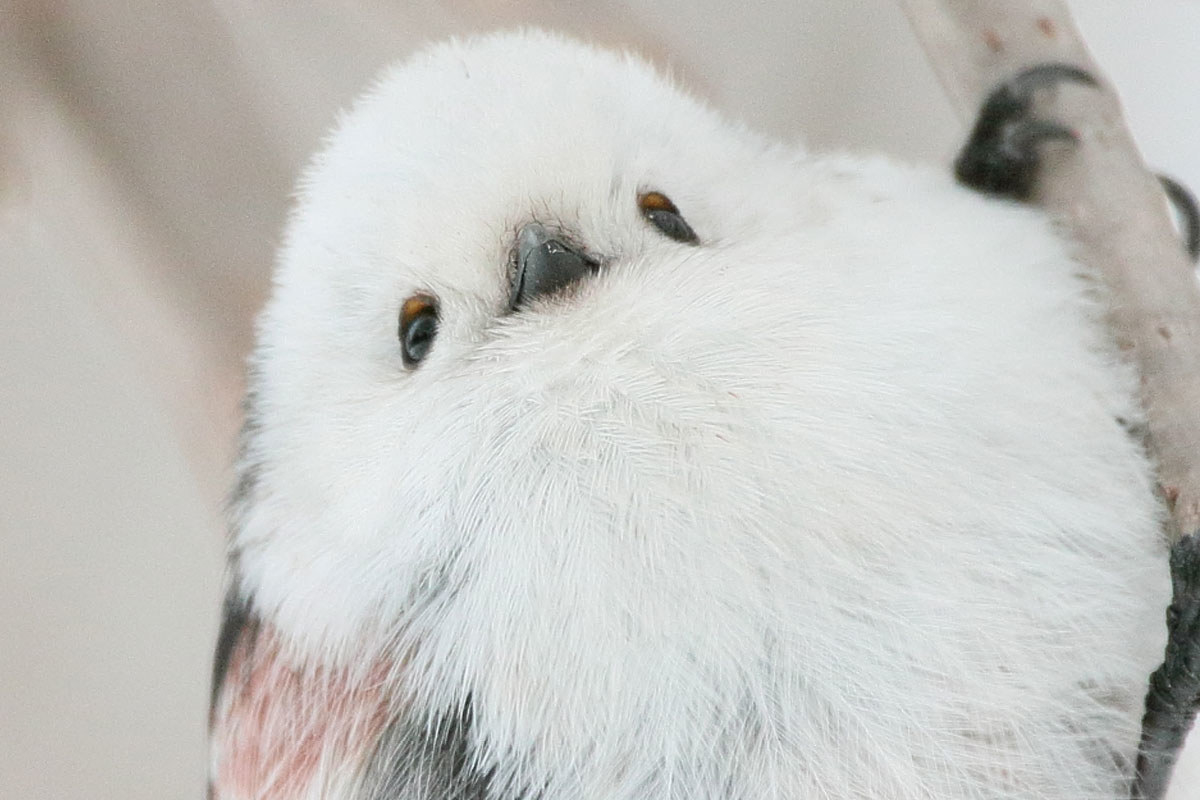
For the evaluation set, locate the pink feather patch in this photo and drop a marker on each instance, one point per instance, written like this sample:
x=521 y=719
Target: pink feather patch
x=283 y=731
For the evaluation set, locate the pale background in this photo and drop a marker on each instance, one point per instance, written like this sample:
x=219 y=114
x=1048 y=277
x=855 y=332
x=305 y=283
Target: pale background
x=146 y=153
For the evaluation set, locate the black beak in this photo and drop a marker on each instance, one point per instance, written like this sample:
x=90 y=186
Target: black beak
x=544 y=266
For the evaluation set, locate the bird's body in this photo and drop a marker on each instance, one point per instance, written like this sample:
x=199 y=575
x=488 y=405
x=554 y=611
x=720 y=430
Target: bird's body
x=836 y=502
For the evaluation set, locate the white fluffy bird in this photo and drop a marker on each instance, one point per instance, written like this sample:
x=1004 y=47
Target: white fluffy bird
x=600 y=449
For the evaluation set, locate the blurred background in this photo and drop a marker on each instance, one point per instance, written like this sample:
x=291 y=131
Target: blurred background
x=147 y=150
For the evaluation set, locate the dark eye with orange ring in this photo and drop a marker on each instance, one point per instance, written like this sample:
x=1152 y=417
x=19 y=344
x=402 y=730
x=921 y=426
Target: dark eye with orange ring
x=418 y=327
x=660 y=212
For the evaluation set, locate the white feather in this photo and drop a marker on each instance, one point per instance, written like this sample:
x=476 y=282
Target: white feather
x=834 y=504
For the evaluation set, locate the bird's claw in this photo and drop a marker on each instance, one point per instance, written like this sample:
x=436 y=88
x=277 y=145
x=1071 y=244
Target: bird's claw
x=1001 y=156
x=1184 y=203
x=1174 y=696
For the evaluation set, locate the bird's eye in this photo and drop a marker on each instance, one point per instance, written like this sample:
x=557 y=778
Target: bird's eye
x=658 y=209
x=418 y=327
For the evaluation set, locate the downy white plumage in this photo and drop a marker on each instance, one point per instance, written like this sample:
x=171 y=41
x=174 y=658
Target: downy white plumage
x=834 y=502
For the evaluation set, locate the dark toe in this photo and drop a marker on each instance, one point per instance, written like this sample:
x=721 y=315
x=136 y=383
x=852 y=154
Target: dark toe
x=1002 y=156
x=1043 y=75
x=1174 y=696
x=1188 y=214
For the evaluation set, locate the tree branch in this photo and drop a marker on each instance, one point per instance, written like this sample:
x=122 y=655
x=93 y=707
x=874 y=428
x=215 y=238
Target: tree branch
x=1114 y=207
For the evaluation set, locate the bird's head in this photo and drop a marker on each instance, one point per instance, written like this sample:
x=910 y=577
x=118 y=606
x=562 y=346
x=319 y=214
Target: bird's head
x=522 y=289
